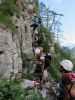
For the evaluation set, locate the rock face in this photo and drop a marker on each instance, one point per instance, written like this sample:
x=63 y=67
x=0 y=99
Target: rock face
x=11 y=44
x=9 y=59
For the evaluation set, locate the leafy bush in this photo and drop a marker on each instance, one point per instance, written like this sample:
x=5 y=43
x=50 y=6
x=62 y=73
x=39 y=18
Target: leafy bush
x=60 y=54
x=12 y=90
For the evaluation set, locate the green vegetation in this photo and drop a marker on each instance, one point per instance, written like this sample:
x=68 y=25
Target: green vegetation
x=60 y=54
x=12 y=90
x=7 y=9
x=46 y=37
x=36 y=8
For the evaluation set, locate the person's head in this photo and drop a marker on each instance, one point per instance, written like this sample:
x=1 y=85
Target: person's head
x=37 y=51
x=66 y=66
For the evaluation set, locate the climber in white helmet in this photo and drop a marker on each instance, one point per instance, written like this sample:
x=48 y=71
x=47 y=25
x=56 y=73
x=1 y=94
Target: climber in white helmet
x=66 y=88
x=66 y=65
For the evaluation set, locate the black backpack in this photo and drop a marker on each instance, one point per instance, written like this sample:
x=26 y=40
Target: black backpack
x=47 y=60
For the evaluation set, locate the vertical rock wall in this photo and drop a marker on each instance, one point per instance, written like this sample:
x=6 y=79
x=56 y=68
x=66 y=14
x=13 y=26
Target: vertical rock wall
x=9 y=60
x=10 y=43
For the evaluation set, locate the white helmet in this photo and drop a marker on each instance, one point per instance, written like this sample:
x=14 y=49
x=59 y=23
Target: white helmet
x=67 y=65
x=37 y=51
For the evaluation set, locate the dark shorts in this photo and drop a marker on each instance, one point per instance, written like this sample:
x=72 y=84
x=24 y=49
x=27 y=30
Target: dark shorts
x=38 y=72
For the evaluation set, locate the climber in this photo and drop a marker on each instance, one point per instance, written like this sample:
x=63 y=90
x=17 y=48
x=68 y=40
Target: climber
x=36 y=22
x=39 y=62
x=47 y=61
x=67 y=83
x=34 y=42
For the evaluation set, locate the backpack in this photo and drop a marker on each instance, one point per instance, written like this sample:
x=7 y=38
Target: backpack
x=69 y=85
x=48 y=58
